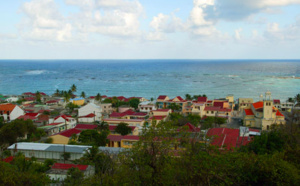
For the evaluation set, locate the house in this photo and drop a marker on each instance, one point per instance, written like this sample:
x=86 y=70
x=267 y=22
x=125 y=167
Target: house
x=106 y=108
x=244 y=103
x=276 y=103
x=12 y=99
x=130 y=122
x=161 y=112
x=263 y=114
x=64 y=136
x=66 y=119
x=164 y=102
x=77 y=101
x=48 y=151
x=287 y=106
x=31 y=116
x=228 y=139
x=146 y=106
x=59 y=171
x=134 y=130
x=85 y=127
x=128 y=114
x=122 y=141
x=89 y=113
x=198 y=108
x=155 y=119
x=10 y=112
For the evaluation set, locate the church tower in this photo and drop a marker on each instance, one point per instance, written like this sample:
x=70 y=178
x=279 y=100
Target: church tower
x=268 y=106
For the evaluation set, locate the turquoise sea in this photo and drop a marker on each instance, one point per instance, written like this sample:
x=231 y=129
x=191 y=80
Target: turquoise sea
x=150 y=78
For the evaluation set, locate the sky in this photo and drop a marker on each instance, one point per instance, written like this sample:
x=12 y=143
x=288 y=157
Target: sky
x=150 y=29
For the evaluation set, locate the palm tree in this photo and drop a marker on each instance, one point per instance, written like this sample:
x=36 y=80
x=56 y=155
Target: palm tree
x=38 y=96
x=98 y=97
x=57 y=92
x=297 y=99
x=73 y=88
x=82 y=94
x=67 y=97
x=188 y=97
x=103 y=126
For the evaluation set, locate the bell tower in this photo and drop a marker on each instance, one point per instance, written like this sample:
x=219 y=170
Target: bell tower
x=268 y=106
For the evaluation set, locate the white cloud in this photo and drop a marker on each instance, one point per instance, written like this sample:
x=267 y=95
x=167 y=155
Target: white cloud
x=276 y=33
x=114 y=18
x=238 y=33
x=44 y=22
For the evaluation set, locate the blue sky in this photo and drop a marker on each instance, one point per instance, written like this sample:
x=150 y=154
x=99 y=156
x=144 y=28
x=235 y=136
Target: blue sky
x=156 y=29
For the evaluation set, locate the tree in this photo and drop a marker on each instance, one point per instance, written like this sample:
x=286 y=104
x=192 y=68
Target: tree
x=38 y=96
x=174 y=107
x=73 y=88
x=92 y=137
x=98 y=97
x=134 y=102
x=66 y=156
x=82 y=94
x=123 y=129
x=67 y=97
x=103 y=126
x=188 y=97
x=74 y=177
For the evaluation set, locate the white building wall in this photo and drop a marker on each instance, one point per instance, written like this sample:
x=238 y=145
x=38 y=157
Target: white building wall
x=17 y=112
x=90 y=108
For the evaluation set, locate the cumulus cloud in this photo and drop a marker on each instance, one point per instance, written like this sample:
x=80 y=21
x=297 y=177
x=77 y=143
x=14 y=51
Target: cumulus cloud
x=237 y=10
x=117 y=18
x=274 y=32
x=43 y=21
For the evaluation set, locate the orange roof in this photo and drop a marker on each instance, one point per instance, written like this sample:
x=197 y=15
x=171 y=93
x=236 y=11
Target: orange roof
x=248 y=112
x=7 y=107
x=279 y=113
x=258 y=104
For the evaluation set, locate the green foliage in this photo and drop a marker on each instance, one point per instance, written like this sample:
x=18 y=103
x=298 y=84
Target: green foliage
x=66 y=155
x=92 y=137
x=174 y=107
x=49 y=140
x=98 y=97
x=211 y=121
x=180 y=120
x=82 y=94
x=74 y=177
x=107 y=101
x=71 y=106
x=10 y=132
x=134 y=102
x=188 y=97
x=73 y=88
x=123 y=129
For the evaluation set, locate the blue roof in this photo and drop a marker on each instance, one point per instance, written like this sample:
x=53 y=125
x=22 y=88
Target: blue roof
x=76 y=99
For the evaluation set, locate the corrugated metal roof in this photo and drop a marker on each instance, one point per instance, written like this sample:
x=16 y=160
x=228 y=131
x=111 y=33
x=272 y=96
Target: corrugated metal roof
x=49 y=147
x=67 y=148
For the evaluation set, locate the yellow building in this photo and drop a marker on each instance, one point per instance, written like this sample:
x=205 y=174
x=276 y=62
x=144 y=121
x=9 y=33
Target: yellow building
x=263 y=114
x=122 y=141
x=64 y=137
x=78 y=101
x=130 y=122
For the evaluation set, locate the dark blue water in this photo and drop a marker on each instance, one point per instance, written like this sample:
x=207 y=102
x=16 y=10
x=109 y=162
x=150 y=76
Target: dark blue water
x=150 y=78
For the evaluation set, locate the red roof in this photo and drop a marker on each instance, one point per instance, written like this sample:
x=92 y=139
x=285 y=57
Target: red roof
x=52 y=101
x=91 y=115
x=218 y=104
x=85 y=126
x=8 y=159
x=258 y=105
x=119 y=137
x=30 y=98
x=7 y=107
x=113 y=127
x=162 y=97
x=276 y=101
x=70 y=132
x=126 y=113
x=55 y=123
x=179 y=98
x=279 y=113
x=202 y=99
x=27 y=117
x=248 y=112
x=191 y=128
x=212 y=108
x=68 y=166
x=157 y=117
x=66 y=117
x=161 y=110
x=228 y=138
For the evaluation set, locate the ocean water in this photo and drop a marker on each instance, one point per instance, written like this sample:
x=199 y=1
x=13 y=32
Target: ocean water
x=151 y=78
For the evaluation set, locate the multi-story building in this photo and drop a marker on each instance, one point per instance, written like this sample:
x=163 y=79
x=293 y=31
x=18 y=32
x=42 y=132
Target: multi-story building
x=263 y=114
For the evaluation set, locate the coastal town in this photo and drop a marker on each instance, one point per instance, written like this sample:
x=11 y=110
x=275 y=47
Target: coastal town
x=67 y=126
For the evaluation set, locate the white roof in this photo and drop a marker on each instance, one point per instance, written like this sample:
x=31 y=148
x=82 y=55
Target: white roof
x=29 y=146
